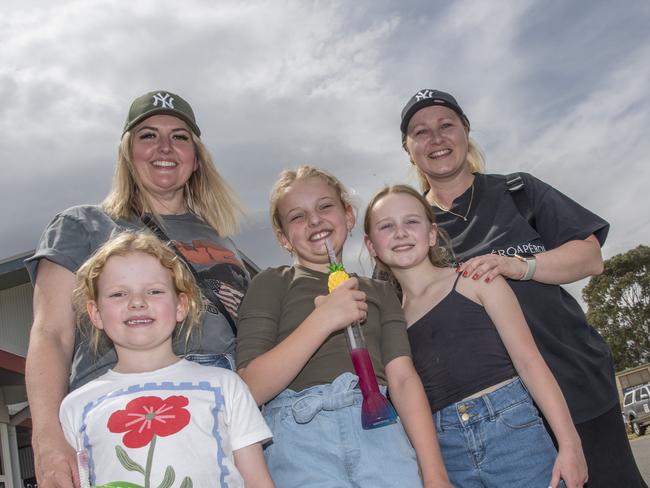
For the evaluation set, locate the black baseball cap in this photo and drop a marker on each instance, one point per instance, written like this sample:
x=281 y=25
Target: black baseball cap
x=425 y=98
x=160 y=102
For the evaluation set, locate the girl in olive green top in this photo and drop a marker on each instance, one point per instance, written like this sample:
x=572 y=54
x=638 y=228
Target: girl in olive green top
x=292 y=353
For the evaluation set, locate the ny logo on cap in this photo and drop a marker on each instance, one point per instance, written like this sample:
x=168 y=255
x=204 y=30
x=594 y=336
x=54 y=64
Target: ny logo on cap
x=166 y=101
x=424 y=94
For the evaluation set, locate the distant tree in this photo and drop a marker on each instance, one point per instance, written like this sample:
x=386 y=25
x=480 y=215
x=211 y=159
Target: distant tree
x=619 y=306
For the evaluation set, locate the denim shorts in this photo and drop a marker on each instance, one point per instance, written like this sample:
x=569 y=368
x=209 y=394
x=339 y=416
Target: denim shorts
x=220 y=360
x=496 y=440
x=318 y=441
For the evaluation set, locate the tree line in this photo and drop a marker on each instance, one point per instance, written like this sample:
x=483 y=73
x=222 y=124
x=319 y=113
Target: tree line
x=618 y=303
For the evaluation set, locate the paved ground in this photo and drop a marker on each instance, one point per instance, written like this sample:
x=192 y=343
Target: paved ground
x=641 y=450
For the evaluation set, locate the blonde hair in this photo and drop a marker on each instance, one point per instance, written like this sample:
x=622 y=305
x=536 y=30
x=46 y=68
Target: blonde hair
x=290 y=176
x=440 y=254
x=206 y=193
x=124 y=244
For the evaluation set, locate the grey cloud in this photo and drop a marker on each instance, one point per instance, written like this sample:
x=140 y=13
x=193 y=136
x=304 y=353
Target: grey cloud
x=555 y=88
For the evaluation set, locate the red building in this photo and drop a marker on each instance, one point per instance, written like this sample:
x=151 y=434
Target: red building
x=16 y=462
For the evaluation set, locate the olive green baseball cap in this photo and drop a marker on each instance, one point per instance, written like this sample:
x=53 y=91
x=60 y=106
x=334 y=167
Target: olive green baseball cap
x=160 y=102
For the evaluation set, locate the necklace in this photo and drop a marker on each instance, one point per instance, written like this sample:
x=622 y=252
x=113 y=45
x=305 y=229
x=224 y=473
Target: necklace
x=469 y=207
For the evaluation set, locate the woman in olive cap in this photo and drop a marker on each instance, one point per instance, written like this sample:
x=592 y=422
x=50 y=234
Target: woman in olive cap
x=539 y=239
x=164 y=178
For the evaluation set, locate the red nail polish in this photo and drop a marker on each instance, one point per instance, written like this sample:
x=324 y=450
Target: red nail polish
x=475 y=277
x=465 y=274
x=487 y=280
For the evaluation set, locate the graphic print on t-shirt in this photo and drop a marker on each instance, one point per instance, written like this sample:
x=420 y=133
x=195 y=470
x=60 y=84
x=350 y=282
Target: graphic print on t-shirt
x=221 y=269
x=143 y=421
x=523 y=248
x=145 y=435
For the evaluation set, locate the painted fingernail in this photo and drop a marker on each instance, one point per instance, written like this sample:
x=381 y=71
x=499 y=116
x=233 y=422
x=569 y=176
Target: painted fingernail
x=487 y=280
x=475 y=277
x=465 y=274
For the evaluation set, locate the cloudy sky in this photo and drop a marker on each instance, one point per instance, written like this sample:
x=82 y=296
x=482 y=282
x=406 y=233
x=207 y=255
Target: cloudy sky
x=559 y=89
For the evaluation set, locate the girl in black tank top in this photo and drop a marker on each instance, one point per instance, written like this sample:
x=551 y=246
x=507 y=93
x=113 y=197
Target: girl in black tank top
x=469 y=340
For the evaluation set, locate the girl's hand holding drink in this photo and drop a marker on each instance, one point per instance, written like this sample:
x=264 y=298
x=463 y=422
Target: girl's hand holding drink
x=342 y=307
x=376 y=410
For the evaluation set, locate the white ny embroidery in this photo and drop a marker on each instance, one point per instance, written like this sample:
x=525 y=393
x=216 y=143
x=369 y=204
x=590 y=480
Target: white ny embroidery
x=166 y=101
x=423 y=95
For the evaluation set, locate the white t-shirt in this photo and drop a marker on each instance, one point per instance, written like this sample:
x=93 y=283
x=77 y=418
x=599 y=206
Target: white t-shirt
x=184 y=420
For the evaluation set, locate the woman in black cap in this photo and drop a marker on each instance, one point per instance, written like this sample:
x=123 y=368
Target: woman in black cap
x=164 y=179
x=527 y=231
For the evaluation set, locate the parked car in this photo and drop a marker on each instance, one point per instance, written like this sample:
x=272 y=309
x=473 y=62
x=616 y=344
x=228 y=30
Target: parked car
x=636 y=408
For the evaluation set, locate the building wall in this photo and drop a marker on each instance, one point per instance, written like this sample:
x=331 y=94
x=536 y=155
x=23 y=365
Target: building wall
x=15 y=318
x=628 y=379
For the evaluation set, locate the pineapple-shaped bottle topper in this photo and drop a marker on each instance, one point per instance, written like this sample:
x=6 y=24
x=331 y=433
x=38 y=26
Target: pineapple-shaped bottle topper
x=336 y=277
x=337 y=271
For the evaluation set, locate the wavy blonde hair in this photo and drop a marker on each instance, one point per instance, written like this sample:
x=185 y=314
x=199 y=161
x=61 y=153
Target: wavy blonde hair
x=124 y=244
x=290 y=176
x=206 y=193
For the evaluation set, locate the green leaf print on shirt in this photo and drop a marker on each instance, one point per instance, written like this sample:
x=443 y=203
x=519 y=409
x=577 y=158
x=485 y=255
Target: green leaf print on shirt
x=126 y=461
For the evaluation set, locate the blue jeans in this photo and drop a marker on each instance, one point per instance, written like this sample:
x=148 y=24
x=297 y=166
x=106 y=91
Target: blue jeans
x=318 y=441
x=496 y=440
x=220 y=360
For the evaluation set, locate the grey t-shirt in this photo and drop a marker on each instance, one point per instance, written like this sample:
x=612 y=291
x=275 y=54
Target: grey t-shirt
x=76 y=233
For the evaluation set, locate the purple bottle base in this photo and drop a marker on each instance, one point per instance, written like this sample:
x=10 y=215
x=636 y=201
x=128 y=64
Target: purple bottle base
x=376 y=410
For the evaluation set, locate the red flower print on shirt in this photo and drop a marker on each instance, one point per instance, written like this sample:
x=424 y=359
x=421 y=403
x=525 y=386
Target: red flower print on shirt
x=149 y=416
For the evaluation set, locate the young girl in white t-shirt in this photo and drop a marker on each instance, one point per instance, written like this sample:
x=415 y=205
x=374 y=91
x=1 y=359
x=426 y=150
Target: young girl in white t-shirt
x=156 y=419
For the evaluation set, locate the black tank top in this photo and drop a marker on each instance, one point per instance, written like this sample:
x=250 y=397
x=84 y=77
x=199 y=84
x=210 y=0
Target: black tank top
x=457 y=350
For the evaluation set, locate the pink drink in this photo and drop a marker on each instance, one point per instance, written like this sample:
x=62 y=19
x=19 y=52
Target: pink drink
x=376 y=411
x=365 y=371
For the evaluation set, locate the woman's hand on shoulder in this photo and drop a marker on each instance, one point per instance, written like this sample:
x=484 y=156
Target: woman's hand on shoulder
x=485 y=292
x=346 y=304
x=489 y=266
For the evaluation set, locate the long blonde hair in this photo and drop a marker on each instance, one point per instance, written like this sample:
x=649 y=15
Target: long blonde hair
x=290 y=176
x=206 y=193
x=123 y=244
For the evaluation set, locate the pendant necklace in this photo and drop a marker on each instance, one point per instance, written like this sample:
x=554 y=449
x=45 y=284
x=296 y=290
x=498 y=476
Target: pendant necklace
x=469 y=207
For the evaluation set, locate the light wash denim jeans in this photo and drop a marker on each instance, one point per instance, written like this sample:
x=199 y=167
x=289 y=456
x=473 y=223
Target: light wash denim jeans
x=220 y=360
x=318 y=442
x=496 y=440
